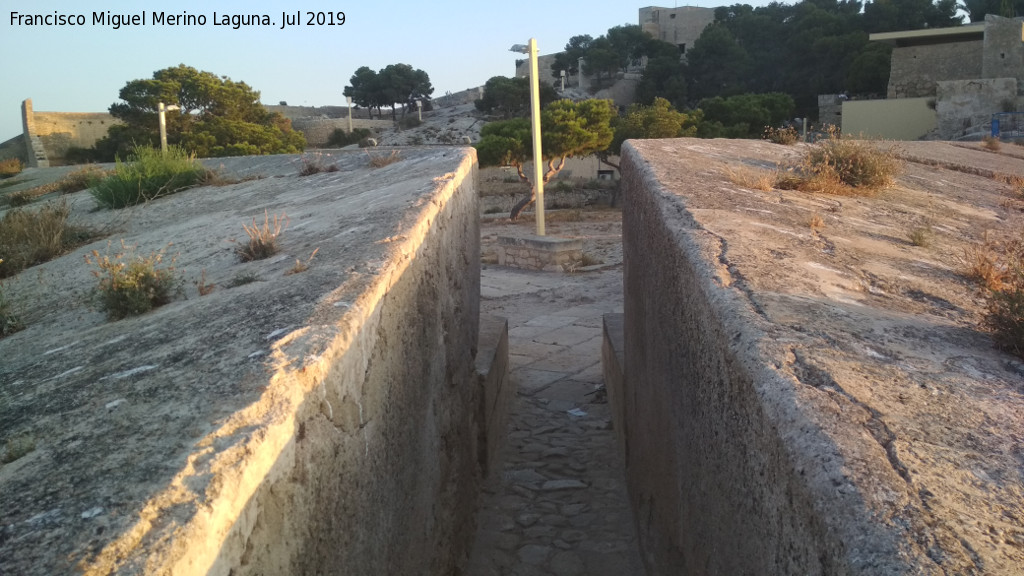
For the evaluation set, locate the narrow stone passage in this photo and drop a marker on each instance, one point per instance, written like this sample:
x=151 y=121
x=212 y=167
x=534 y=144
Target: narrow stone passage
x=558 y=506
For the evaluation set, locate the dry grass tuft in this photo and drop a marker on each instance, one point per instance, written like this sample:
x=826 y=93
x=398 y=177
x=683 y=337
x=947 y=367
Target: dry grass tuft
x=18 y=447
x=816 y=223
x=315 y=165
x=30 y=237
x=82 y=179
x=10 y=167
x=787 y=136
x=202 y=285
x=262 y=239
x=990 y=143
x=381 y=161
x=749 y=178
x=301 y=266
x=920 y=236
x=130 y=284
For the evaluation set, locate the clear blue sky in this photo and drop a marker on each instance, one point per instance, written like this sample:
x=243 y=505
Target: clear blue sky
x=459 y=44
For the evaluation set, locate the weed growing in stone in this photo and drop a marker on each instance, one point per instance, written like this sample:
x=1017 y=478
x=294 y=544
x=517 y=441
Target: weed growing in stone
x=842 y=166
x=754 y=179
x=30 y=237
x=990 y=143
x=148 y=174
x=10 y=167
x=82 y=178
x=18 y=447
x=242 y=279
x=381 y=161
x=787 y=136
x=262 y=238
x=301 y=266
x=920 y=236
x=131 y=284
x=816 y=223
x=983 y=265
x=202 y=285
x=315 y=165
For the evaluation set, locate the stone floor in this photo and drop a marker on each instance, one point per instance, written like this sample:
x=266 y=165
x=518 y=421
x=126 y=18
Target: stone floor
x=559 y=506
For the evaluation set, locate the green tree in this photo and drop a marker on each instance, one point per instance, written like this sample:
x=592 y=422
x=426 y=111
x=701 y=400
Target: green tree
x=510 y=97
x=365 y=90
x=664 y=75
x=394 y=85
x=717 y=64
x=568 y=129
x=568 y=59
x=217 y=117
x=743 y=115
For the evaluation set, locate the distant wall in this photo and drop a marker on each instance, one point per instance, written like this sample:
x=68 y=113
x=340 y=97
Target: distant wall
x=965 y=107
x=916 y=69
x=62 y=130
x=896 y=119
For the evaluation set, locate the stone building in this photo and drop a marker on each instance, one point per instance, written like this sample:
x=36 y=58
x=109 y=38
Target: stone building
x=945 y=82
x=680 y=26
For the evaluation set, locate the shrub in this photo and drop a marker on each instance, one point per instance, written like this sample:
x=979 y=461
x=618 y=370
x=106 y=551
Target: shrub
x=148 y=174
x=10 y=167
x=841 y=166
x=314 y=165
x=262 y=239
x=1005 y=316
x=787 y=136
x=990 y=143
x=753 y=179
x=130 y=284
x=340 y=138
x=32 y=237
x=381 y=161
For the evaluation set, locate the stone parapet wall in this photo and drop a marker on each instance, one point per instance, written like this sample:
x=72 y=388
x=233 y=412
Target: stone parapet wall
x=322 y=422
x=733 y=465
x=539 y=252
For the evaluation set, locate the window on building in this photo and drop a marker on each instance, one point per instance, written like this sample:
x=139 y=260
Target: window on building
x=682 y=48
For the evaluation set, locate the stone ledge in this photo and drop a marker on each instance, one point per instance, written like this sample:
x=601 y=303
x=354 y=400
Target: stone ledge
x=492 y=375
x=546 y=253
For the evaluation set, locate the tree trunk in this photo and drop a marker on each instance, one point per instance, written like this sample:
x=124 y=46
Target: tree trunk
x=522 y=204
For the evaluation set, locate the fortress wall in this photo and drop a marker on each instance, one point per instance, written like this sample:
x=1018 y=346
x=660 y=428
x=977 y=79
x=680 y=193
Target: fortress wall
x=59 y=131
x=729 y=467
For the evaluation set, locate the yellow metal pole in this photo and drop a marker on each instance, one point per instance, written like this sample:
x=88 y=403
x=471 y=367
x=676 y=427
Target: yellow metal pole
x=538 y=168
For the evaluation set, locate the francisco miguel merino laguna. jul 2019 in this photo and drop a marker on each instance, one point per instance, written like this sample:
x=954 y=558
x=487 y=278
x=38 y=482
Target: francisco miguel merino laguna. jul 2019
x=235 y=21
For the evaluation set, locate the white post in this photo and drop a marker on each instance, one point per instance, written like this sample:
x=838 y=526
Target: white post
x=163 y=124
x=348 y=99
x=419 y=109
x=562 y=76
x=163 y=128
x=538 y=169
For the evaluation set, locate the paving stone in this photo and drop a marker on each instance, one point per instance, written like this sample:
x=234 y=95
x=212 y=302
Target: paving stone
x=527 y=520
x=535 y=553
x=552 y=321
x=567 y=564
x=530 y=381
x=562 y=484
x=567 y=336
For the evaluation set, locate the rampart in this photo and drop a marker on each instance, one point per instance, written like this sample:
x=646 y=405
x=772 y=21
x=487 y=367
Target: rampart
x=916 y=69
x=780 y=417
x=322 y=421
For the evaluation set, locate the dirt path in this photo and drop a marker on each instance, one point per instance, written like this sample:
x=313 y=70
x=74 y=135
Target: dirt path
x=559 y=506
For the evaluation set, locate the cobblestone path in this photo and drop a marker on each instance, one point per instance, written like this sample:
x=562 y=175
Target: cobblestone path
x=559 y=505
